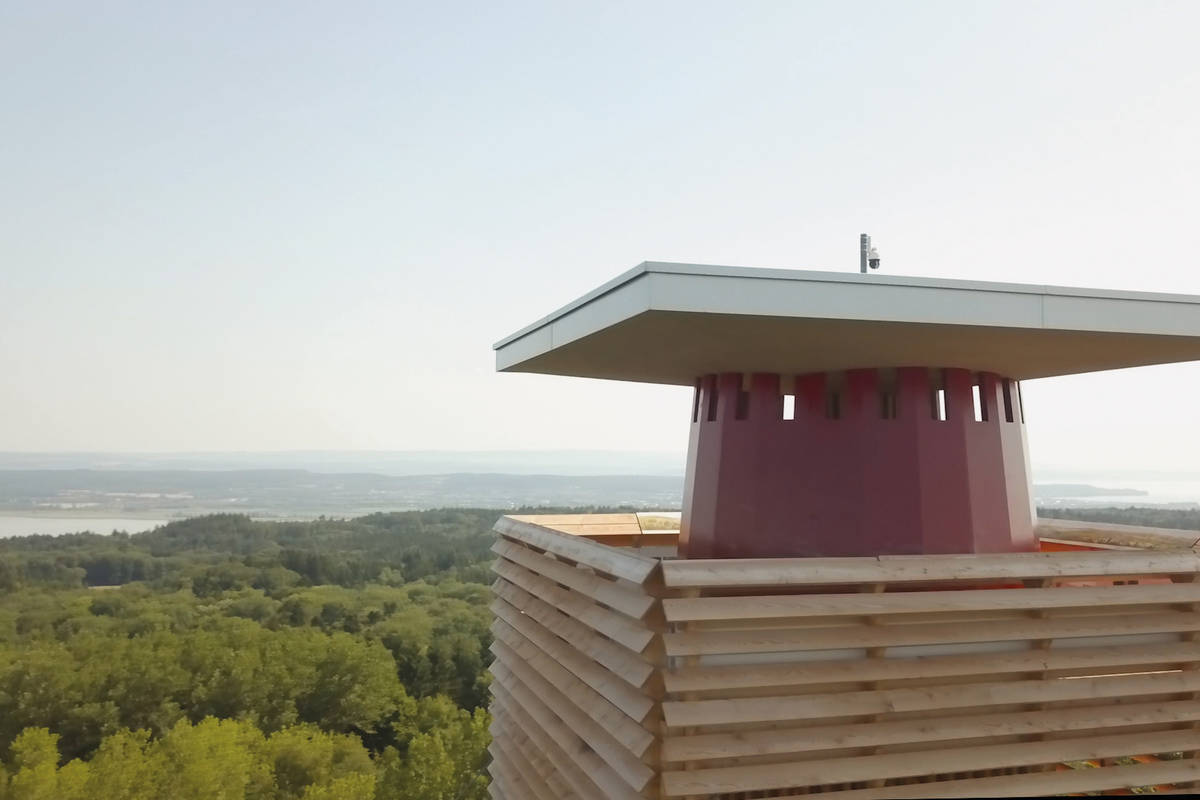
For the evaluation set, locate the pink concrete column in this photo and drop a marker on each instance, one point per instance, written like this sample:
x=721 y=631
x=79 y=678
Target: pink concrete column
x=862 y=469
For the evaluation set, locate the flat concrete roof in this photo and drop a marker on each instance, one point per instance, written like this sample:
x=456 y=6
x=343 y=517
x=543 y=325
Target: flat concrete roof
x=670 y=323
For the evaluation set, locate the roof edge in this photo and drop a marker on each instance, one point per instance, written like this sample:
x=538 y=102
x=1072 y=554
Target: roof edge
x=826 y=276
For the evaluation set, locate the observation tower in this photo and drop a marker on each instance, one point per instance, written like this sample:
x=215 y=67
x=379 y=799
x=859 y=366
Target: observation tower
x=856 y=604
x=847 y=414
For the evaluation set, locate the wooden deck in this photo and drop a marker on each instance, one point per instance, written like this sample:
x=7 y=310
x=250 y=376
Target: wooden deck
x=621 y=674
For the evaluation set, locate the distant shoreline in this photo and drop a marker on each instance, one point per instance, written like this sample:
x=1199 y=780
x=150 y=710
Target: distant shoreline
x=85 y=513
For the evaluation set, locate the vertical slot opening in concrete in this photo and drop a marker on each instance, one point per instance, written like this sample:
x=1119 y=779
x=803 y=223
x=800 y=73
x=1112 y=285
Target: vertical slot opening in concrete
x=977 y=397
x=1020 y=401
x=888 y=391
x=743 y=405
x=1008 y=408
x=711 y=412
x=887 y=404
x=789 y=406
x=939 y=405
x=696 y=403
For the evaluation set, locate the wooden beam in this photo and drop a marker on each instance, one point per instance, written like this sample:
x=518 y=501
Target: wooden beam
x=741 y=677
x=785 y=775
x=685 y=713
x=611 y=784
x=610 y=686
x=624 y=598
x=824 y=605
x=513 y=602
x=617 y=627
x=776 y=640
x=788 y=741
x=1071 y=781
x=510 y=645
x=736 y=573
x=619 y=563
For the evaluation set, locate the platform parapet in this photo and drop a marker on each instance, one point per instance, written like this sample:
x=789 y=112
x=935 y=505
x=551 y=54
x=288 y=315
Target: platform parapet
x=619 y=675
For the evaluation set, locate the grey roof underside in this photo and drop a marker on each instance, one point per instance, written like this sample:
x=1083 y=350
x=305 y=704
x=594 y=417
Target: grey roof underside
x=669 y=323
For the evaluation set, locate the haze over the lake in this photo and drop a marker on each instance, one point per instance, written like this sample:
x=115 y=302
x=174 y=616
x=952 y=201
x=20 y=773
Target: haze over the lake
x=302 y=226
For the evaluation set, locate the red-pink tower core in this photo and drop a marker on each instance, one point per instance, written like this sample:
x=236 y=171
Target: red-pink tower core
x=867 y=462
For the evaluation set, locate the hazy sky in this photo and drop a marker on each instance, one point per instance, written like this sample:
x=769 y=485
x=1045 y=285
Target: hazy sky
x=302 y=225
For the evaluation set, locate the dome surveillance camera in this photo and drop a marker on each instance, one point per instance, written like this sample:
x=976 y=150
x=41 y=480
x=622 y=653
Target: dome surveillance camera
x=873 y=258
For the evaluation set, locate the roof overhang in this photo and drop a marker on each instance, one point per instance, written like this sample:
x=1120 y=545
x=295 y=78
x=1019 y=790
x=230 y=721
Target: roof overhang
x=669 y=323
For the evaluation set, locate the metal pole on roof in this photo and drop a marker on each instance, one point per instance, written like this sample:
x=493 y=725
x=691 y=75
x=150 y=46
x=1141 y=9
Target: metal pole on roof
x=864 y=247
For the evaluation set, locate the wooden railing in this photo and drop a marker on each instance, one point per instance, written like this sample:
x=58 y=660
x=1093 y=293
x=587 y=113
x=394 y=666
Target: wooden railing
x=621 y=676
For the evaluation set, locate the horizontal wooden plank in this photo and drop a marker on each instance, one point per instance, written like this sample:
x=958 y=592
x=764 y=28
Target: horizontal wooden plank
x=1082 y=545
x=513 y=602
x=677 y=783
x=617 y=627
x=598 y=771
x=775 y=640
x=736 y=677
x=510 y=644
x=1040 y=784
x=632 y=702
x=552 y=520
x=541 y=775
x=765 y=572
x=619 y=563
x=505 y=774
x=627 y=538
x=557 y=784
x=563 y=762
x=500 y=785
x=786 y=741
x=527 y=780
x=826 y=605
x=600 y=529
x=624 y=598
x=614 y=751
x=690 y=713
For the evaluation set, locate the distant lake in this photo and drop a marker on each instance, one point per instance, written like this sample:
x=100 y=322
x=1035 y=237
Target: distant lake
x=1158 y=492
x=24 y=526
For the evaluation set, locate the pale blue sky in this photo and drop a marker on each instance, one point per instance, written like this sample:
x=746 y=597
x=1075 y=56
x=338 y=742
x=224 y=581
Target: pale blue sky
x=302 y=225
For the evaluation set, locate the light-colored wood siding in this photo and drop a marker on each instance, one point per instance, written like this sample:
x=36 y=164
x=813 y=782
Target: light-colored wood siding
x=617 y=675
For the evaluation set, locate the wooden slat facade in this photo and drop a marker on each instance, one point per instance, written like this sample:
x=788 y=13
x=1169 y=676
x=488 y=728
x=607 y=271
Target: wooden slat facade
x=620 y=675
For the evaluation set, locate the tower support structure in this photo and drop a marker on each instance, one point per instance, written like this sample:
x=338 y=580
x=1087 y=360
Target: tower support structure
x=862 y=462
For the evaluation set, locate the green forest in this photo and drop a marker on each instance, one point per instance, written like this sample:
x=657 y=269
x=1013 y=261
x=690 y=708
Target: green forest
x=1187 y=519
x=220 y=657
